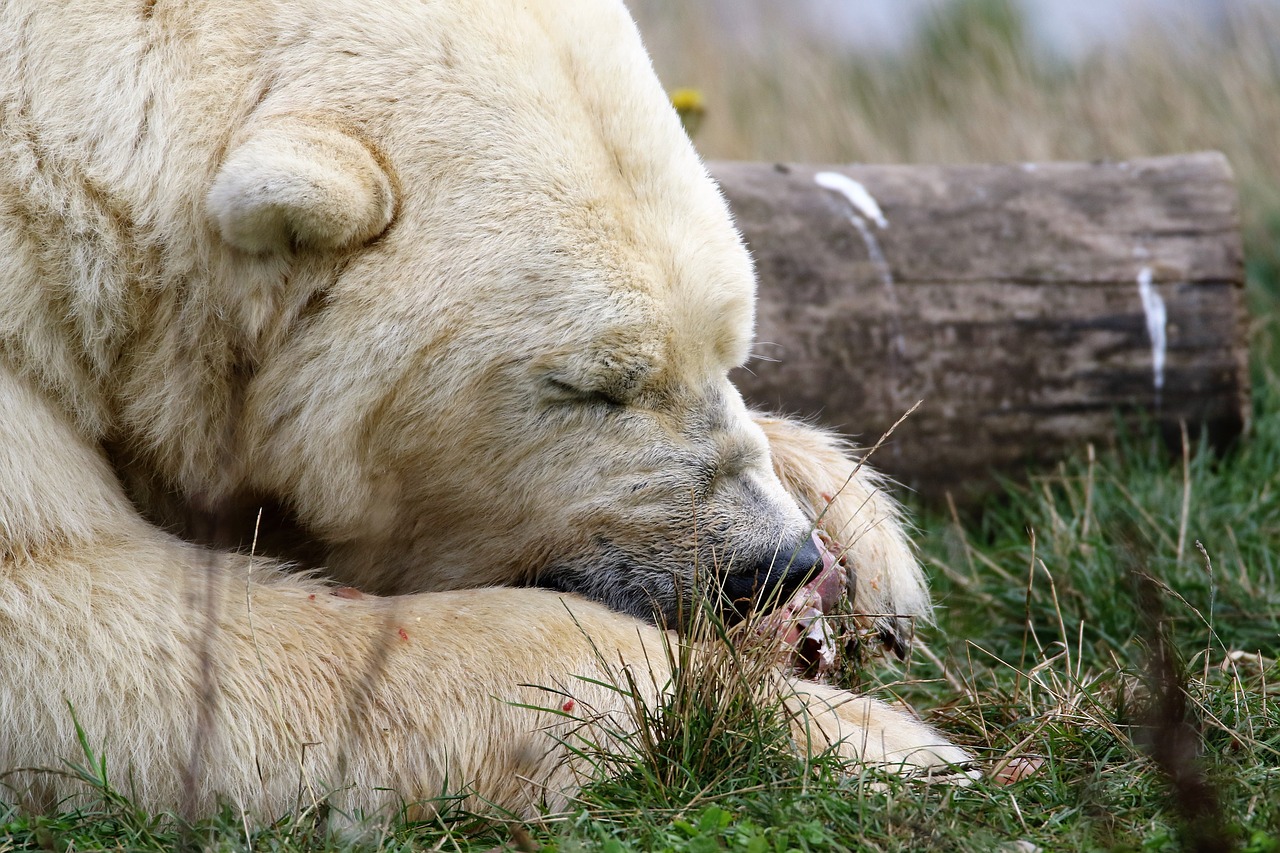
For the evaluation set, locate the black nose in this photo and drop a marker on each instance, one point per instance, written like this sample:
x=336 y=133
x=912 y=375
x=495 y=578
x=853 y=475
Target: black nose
x=773 y=579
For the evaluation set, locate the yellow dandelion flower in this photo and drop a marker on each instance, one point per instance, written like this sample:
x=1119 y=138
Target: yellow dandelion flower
x=691 y=107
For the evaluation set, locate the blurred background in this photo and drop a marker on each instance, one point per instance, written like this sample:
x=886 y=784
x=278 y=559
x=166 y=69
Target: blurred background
x=944 y=81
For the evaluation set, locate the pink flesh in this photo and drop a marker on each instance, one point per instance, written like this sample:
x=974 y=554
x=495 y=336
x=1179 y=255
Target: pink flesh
x=803 y=633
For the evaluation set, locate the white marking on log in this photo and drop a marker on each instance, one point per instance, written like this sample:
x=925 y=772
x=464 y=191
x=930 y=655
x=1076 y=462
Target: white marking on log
x=1157 y=324
x=865 y=207
x=856 y=193
x=876 y=255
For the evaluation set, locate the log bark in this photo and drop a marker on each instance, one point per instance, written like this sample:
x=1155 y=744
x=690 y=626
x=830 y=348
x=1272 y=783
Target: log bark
x=1032 y=307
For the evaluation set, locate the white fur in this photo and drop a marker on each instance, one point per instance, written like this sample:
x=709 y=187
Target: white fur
x=447 y=283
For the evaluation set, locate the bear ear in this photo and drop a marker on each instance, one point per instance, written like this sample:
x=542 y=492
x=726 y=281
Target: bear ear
x=297 y=183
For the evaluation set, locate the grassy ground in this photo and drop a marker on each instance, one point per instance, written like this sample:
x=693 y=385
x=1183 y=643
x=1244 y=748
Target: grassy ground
x=1108 y=631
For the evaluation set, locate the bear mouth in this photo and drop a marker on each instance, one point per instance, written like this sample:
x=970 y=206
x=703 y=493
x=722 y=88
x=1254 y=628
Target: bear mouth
x=810 y=620
x=817 y=626
x=806 y=637
x=674 y=600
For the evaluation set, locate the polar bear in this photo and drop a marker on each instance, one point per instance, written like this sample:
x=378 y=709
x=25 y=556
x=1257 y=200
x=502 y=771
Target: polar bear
x=437 y=301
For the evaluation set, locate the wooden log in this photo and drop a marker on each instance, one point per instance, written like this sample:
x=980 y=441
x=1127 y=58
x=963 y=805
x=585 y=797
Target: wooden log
x=1032 y=308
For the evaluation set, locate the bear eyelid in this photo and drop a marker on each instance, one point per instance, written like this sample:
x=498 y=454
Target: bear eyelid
x=573 y=393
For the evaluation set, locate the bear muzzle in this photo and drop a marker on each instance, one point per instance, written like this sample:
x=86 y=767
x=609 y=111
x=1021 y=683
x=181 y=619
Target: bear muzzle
x=772 y=580
x=614 y=578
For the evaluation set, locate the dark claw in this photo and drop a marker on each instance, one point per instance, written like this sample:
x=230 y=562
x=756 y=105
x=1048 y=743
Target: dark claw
x=898 y=642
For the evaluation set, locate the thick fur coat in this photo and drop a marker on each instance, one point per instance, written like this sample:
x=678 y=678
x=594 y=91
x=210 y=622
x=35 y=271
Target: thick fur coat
x=432 y=298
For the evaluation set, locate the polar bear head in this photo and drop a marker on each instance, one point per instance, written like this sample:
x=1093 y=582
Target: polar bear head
x=524 y=297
